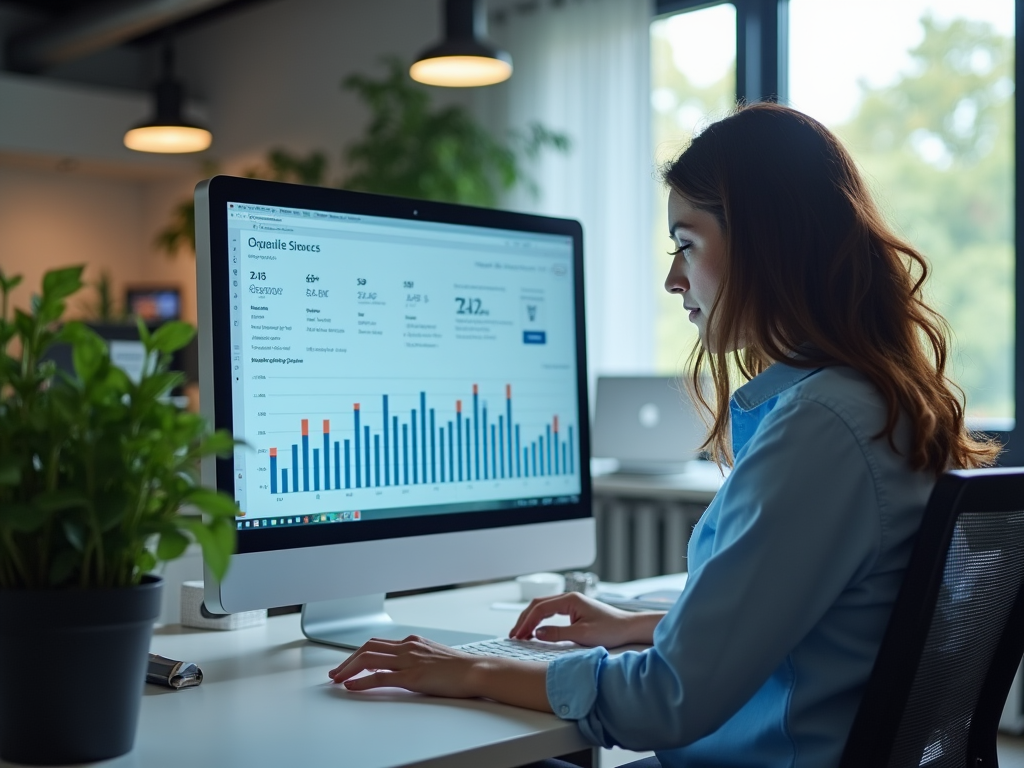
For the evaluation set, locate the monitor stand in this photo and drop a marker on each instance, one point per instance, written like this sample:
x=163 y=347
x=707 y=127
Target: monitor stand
x=351 y=621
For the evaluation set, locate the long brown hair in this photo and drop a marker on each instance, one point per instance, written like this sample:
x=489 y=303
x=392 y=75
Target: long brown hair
x=816 y=277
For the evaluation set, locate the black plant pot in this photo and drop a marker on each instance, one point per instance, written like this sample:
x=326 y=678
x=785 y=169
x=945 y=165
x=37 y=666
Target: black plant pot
x=72 y=667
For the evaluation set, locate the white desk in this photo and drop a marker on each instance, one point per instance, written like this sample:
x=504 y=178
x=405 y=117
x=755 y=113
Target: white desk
x=266 y=701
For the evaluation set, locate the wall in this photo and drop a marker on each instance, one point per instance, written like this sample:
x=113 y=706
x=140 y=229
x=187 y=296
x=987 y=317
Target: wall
x=269 y=76
x=51 y=218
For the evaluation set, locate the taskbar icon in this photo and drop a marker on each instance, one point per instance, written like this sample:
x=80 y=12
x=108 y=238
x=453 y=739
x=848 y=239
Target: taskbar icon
x=289 y=521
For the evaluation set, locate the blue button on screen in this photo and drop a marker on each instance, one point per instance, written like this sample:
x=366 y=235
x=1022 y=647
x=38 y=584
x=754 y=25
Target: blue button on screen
x=535 y=337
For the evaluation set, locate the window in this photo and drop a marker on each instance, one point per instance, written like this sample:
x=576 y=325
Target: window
x=922 y=93
x=693 y=80
x=928 y=116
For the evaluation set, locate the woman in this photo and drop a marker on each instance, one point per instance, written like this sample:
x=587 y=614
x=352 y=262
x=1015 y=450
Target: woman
x=796 y=284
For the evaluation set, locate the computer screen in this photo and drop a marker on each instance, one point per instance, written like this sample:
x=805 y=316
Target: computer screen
x=397 y=370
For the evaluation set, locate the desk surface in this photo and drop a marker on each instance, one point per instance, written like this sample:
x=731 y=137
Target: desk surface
x=266 y=701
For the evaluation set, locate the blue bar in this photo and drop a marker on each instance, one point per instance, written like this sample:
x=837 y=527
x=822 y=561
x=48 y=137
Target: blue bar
x=469 y=463
x=458 y=419
x=547 y=444
x=394 y=422
x=405 y=451
x=494 y=456
x=508 y=421
x=327 y=463
x=366 y=453
x=423 y=431
x=526 y=462
x=519 y=471
x=273 y=475
x=359 y=465
x=415 y=464
x=501 y=444
x=295 y=468
x=563 y=458
x=485 y=441
x=337 y=465
x=316 y=469
x=440 y=436
x=555 y=446
x=305 y=462
x=476 y=433
x=572 y=450
x=284 y=480
x=451 y=455
x=433 y=449
x=387 y=466
x=376 y=459
x=533 y=446
x=348 y=465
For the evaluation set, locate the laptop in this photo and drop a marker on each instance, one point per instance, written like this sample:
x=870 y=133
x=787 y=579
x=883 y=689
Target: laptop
x=646 y=423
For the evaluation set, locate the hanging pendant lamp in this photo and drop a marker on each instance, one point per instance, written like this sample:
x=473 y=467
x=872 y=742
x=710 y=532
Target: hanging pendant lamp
x=464 y=59
x=168 y=132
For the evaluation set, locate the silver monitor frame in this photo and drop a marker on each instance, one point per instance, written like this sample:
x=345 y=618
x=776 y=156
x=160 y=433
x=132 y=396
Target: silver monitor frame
x=343 y=584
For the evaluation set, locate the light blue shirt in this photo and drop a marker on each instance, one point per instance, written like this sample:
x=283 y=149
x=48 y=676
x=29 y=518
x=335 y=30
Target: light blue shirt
x=793 y=571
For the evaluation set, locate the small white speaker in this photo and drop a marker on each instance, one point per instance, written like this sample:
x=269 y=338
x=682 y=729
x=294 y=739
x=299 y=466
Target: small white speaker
x=194 y=613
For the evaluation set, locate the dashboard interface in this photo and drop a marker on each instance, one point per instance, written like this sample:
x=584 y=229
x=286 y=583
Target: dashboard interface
x=387 y=368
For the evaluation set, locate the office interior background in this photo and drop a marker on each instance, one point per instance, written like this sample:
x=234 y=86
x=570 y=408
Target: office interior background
x=922 y=91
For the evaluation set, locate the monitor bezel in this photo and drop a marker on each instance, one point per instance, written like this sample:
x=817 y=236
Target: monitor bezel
x=212 y=198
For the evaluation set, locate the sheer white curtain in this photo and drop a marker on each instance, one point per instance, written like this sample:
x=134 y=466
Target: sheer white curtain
x=583 y=67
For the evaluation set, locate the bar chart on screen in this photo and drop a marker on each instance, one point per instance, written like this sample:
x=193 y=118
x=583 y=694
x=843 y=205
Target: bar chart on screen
x=422 y=444
x=376 y=382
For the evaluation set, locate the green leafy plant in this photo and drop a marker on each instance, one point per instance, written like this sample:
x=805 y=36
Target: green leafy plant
x=411 y=149
x=104 y=308
x=95 y=468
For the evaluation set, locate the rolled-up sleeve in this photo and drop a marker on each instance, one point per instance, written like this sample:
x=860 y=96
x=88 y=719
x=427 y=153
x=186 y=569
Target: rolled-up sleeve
x=796 y=522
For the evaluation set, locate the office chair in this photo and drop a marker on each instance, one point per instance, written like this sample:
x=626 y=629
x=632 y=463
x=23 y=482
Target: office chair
x=956 y=634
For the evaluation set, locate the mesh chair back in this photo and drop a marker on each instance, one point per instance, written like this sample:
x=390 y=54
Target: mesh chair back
x=956 y=634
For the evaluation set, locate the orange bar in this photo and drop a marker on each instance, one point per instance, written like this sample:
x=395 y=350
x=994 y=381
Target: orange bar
x=556 y=425
x=475 y=390
x=458 y=406
x=327 y=426
x=305 y=427
x=355 y=406
x=273 y=452
x=508 y=391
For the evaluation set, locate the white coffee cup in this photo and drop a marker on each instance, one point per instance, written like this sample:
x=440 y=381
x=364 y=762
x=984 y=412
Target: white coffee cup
x=534 y=585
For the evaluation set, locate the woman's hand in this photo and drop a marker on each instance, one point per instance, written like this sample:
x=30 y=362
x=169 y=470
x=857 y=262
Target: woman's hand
x=424 y=666
x=592 y=623
x=416 y=664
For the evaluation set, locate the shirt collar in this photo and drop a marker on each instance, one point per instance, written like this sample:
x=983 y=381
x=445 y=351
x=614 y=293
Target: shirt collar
x=775 y=379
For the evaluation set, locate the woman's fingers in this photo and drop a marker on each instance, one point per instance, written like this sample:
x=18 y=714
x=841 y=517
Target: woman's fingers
x=376 y=680
x=381 y=647
x=367 y=660
x=529 y=616
x=539 y=609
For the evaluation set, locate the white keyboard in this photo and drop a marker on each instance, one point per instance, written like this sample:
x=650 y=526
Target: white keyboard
x=526 y=650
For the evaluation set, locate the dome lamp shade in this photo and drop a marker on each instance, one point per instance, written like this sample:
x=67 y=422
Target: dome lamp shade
x=168 y=132
x=464 y=59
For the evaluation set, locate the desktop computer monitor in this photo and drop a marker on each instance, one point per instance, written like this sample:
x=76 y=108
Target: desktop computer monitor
x=409 y=379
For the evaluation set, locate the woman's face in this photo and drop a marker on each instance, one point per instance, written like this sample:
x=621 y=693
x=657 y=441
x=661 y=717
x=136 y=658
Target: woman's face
x=698 y=263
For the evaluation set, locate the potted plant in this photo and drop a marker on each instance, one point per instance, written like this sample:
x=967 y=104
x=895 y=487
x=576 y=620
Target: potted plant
x=95 y=470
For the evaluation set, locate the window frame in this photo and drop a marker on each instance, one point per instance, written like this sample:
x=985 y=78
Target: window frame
x=762 y=73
